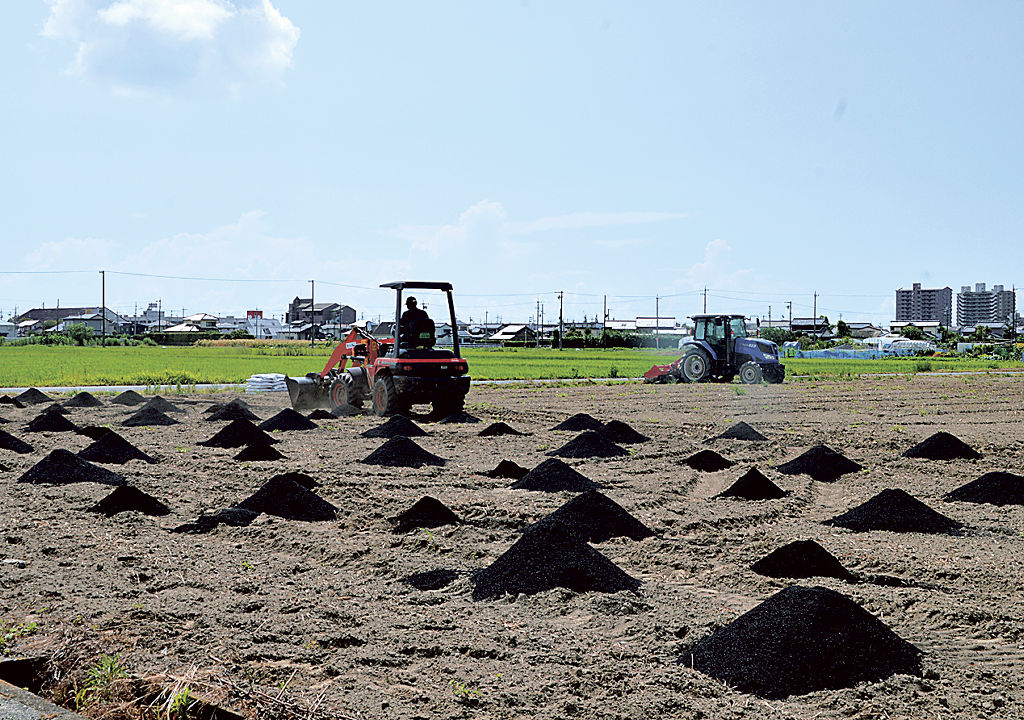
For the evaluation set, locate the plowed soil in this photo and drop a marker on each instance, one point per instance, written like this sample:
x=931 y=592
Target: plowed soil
x=329 y=608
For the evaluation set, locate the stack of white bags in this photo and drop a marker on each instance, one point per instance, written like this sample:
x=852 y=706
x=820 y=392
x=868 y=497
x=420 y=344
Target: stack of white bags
x=266 y=382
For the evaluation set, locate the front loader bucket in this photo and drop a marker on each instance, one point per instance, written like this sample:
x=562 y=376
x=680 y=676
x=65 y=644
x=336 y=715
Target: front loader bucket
x=306 y=393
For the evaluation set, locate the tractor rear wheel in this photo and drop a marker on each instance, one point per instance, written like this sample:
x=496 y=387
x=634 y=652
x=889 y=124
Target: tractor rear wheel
x=385 y=397
x=750 y=373
x=695 y=367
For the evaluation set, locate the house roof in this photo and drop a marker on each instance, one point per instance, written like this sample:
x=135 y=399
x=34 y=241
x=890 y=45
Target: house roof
x=183 y=327
x=508 y=332
x=201 y=317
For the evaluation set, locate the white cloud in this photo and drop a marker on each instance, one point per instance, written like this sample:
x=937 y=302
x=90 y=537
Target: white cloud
x=141 y=46
x=584 y=220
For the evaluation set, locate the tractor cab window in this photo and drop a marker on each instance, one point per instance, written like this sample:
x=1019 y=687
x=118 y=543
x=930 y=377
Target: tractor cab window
x=739 y=327
x=710 y=329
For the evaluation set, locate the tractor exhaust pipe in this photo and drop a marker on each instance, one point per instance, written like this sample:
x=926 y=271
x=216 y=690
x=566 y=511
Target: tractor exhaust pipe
x=307 y=393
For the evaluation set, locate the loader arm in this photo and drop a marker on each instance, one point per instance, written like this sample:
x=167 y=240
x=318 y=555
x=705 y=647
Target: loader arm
x=346 y=347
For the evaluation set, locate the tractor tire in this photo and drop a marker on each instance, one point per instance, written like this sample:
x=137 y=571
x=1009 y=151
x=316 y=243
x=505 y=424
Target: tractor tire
x=750 y=373
x=695 y=367
x=343 y=392
x=385 y=397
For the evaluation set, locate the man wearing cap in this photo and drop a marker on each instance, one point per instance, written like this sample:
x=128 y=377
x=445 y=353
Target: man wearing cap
x=410 y=317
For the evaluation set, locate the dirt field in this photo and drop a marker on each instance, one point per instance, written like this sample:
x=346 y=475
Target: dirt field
x=320 y=610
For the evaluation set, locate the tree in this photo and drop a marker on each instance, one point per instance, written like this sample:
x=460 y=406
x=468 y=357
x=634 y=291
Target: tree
x=981 y=333
x=79 y=332
x=912 y=332
x=842 y=329
x=777 y=335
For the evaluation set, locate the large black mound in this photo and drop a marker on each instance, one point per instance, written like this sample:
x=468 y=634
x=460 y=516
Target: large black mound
x=753 y=485
x=459 y=418
x=238 y=433
x=297 y=477
x=83 y=399
x=93 y=432
x=320 y=414
x=588 y=444
x=288 y=499
x=994 y=488
x=233 y=410
x=554 y=476
x=287 y=420
x=708 y=461
x=943 y=446
x=822 y=463
x=13 y=402
x=595 y=517
x=234 y=517
x=427 y=512
x=147 y=416
x=50 y=421
x=129 y=499
x=620 y=432
x=395 y=426
x=113 y=449
x=128 y=397
x=800 y=640
x=740 y=431
x=400 y=451
x=158 y=403
x=259 y=452
x=431 y=579
x=32 y=396
x=507 y=469
x=547 y=556
x=9 y=442
x=61 y=467
x=578 y=422
x=896 y=511
x=498 y=428
x=802 y=559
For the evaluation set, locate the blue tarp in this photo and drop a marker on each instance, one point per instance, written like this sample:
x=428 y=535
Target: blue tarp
x=850 y=354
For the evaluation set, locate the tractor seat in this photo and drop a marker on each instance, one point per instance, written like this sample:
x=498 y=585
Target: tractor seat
x=420 y=335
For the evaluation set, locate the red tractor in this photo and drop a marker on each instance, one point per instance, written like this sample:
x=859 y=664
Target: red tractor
x=394 y=373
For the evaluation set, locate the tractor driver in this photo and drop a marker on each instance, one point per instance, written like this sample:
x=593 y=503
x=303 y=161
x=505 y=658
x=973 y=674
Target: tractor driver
x=410 y=317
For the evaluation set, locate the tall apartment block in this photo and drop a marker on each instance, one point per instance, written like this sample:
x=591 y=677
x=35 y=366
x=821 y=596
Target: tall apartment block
x=925 y=305
x=984 y=306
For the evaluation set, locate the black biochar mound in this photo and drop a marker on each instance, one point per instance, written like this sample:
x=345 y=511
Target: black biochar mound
x=753 y=485
x=93 y=432
x=232 y=411
x=547 y=556
x=554 y=476
x=596 y=518
x=994 y=488
x=802 y=559
x=147 y=416
x=301 y=478
x=9 y=442
x=320 y=414
x=287 y=499
x=32 y=396
x=822 y=463
x=61 y=467
x=158 y=403
x=620 y=432
x=427 y=512
x=234 y=517
x=800 y=640
x=589 y=444
x=400 y=451
x=83 y=399
x=507 y=469
x=13 y=402
x=396 y=425
x=128 y=397
x=346 y=410
x=237 y=402
x=287 y=420
x=51 y=421
x=431 y=579
x=238 y=433
x=459 y=418
x=129 y=499
x=943 y=446
x=708 y=461
x=55 y=408
x=741 y=431
x=260 y=452
x=498 y=428
x=578 y=422
x=896 y=511
x=113 y=449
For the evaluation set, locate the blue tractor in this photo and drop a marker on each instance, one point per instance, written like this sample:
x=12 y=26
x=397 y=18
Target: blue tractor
x=719 y=351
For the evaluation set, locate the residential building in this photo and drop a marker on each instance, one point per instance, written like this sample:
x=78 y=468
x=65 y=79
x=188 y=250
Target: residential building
x=60 y=314
x=264 y=328
x=202 y=321
x=812 y=326
x=984 y=306
x=8 y=330
x=863 y=330
x=925 y=304
x=514 y=333
x=303 y=309
x=94 y=321
x=928 y=327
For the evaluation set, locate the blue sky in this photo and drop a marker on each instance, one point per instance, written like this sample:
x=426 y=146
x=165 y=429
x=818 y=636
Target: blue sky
x=766 y=151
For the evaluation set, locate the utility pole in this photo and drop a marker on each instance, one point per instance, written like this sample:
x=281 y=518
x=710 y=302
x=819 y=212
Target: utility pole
x=312 y=313
x=103 y=308
x=815 y=313
x=537 y=327
x=604 y=321
x=790 y=305
x=769 y=316
x=657 y=323
x=159 y=314
x=705 y=301
x=560 y=316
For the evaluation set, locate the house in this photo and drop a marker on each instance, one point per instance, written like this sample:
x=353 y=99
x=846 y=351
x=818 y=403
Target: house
x=202 y=321
x=296 y=331
x=862 y=330
x=8 y=330
x=303 y=310
x=928 y=327
x=811 y=326
x=29 y=327
x=94 y=321
x=514 y=333
x=182 y=328
x=264 y=328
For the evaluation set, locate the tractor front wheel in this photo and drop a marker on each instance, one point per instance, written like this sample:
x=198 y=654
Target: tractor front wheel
x=750 y=373
x=385 y=397
x=695 y=367
x=343 y=392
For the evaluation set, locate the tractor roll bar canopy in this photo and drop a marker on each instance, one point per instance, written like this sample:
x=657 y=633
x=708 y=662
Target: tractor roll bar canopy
x=445 y=287
x=716 y=315
x=418 y=285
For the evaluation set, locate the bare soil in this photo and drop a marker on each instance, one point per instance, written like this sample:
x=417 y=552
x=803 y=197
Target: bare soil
x=319 y=610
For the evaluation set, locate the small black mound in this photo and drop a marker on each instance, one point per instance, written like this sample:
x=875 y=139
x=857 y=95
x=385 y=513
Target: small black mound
x=578 y=422
x=113 y=449
x=51 y=421
x=238 y=433
x=802 y=559
x=507 y=469
x=158 y=403
x=287 y=420
x=588 y=444
x=459 y=418
x=288 y=499
x=800 y=640
x=260 y=452
x=943 y=446
x=55 y=408
x=498 y=428
x=147 y=416
x=596 y=518
x=128 y=397
x=822 y=463
x=400 y=451
x=753 y=485
x=235 y=517
x=301 y=478
x=431 y=579
x=547 y=556
x=129 y=499
x=61 y=467
x=896 y=511
x=740 y=431
x=396 y=425
x=346 y=410
x=9 y=442
x=93 y=432
x=554 y=476
x=237 y=402
x=708 y=461
x=83 y=399
x=994 y=488
x=619 y=432
x=320 y=414
x=233 y=410
x=427 y=512
x=32 y=396
x=13 y=402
